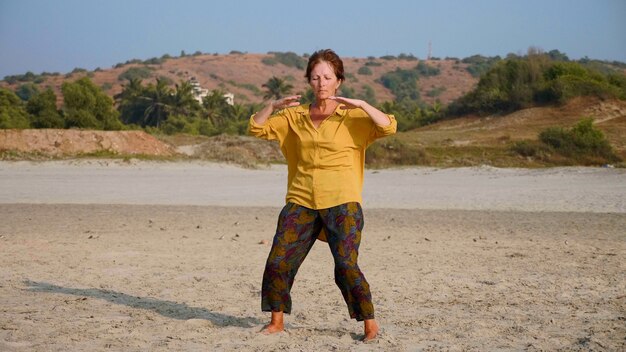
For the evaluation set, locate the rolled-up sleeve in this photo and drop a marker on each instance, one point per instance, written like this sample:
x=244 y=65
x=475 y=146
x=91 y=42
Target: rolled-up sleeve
x=379 y=131
x=275 y=128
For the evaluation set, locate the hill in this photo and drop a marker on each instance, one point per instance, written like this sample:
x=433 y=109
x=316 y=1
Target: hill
x=475 y=140
x=244 y=74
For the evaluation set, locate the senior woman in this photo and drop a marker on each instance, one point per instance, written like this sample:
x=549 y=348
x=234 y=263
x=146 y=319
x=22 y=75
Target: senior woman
x=324 y=143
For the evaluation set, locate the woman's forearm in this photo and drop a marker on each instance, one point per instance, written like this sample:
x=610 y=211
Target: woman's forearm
x=262 y=116
x=286 y=102
x=379 y=117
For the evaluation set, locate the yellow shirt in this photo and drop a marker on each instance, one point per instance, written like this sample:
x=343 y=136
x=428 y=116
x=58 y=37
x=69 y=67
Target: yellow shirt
x=325 y=164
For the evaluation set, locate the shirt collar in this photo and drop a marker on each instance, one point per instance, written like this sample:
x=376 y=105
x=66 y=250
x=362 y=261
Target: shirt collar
x=304 y=109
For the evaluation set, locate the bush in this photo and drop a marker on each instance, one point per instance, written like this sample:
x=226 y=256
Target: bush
x=269 y=61
x=140 y=72
x=529 y=149
x=426 y=70
x=178 y=124
x=580 y=142
x=289 y=59
x=479 y=64
x=402 y=83
x=154 y=61
x=43 y=110
x=407 y=57
x=12 y=111
x=435 y=92
x=364 y=70
x=393 y=151
x=27 y=90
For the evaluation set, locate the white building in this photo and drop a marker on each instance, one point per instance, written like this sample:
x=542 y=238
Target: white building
x=199 y=93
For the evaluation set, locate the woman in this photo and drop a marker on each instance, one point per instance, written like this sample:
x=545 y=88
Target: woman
x=324 y=144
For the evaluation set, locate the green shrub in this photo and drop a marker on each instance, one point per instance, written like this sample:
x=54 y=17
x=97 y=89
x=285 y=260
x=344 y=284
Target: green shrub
x=407 y=57
x=43 y=110
x=368 y=94
x=435 y=92
x=154 y=61
x=178 y=124
x=580 y=142
x=346 y=92
x=364 y=70
x=373 y=63
x=402 y=83
x=27 y=90
x=289 y=59
x=529 y=149
x=269 y=61
x=393 y=151
x=426 y=70
x=140 y=72
x=12 y=111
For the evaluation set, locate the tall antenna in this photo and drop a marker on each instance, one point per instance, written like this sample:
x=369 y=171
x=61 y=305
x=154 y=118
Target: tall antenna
x=430 y=50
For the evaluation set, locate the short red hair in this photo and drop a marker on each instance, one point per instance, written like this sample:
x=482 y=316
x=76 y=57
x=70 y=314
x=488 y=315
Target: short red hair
x=329 y=56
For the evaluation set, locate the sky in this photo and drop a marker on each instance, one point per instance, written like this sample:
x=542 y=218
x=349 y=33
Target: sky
x=60 y=35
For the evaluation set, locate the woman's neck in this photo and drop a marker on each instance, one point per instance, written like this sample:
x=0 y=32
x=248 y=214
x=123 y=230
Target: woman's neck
x=325 y=105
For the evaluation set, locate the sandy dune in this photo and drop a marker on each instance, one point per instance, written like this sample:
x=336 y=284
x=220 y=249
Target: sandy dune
x=108 y=256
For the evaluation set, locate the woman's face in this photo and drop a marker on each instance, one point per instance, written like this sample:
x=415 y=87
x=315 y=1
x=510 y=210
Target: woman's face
x=323 y=80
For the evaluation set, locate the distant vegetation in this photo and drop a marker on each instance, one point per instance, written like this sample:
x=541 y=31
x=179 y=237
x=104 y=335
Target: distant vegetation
x=505 y=85
x=84 y=106
x=581 y=144
x=521 y=82
x=29 y=77
x=289 y=59
x=138 y=72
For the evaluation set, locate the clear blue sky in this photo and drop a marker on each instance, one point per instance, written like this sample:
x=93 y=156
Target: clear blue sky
x=63 y=34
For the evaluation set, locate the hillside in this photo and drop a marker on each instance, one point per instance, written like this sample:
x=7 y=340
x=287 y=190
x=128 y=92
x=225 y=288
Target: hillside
x=475 y=140
x=244 y=75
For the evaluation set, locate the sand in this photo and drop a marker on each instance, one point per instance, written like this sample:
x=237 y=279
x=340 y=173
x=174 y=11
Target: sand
x=114 y=256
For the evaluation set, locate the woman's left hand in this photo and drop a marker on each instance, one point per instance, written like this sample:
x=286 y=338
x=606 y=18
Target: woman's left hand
x=347 y=102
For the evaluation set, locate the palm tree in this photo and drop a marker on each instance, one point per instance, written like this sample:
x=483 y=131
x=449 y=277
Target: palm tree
x=159 y=104
x=217 y=108
x=131 y=102
x=183 y=101
x=276 y=88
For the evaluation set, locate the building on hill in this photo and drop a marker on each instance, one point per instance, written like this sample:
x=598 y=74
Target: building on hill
x=199 y=93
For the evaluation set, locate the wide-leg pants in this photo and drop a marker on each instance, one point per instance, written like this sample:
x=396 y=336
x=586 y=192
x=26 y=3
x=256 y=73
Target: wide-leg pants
x=297 y=230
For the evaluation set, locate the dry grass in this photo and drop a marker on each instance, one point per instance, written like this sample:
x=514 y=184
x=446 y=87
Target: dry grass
x=474 y=140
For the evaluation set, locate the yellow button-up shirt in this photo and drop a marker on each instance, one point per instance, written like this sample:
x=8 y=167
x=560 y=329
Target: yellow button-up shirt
x=325 y=164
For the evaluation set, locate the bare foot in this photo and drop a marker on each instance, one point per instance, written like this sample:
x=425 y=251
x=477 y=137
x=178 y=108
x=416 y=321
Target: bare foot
x=371 y=330
x=276 y=325
x=272 y=329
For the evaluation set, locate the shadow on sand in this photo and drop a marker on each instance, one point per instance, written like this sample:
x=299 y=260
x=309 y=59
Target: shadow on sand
x=168 y=309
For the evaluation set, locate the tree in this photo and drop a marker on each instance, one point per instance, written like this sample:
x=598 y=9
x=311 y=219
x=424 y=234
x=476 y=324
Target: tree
x=217 y=108
x=159 y=99
x=12 y=111
x=27 y=90
x=86 y=106
x=183 y=101
x=132 y=102
x=276 y=88
x=43 y=110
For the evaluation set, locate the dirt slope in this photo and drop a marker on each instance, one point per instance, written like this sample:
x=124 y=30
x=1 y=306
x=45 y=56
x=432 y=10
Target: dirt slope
x=53 y=142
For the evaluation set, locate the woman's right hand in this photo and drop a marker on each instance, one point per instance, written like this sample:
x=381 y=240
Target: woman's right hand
x=286 y=102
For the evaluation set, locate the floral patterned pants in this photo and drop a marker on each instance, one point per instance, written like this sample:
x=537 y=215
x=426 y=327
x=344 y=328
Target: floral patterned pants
x=297 y=230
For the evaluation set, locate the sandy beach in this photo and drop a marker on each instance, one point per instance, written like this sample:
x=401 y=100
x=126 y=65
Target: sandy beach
x=104 y=255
